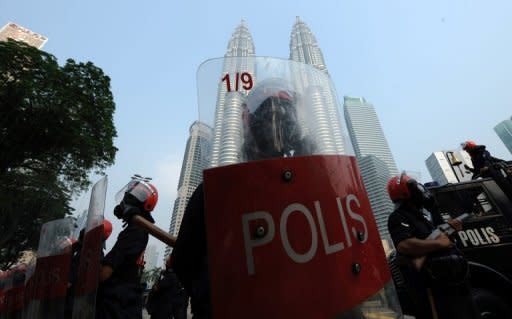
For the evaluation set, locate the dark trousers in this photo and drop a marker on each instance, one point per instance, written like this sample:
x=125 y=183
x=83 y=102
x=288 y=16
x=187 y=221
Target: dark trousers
x=454 y=301
x=119 y=301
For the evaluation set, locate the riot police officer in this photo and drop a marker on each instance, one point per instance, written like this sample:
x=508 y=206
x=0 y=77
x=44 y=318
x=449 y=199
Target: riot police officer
x=120 y=292
x=485 y=165
x=168 y=299
x=435 y=271
x=270 y=130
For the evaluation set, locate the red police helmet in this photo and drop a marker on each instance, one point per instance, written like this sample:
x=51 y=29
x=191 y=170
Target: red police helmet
x=398 y=189
x=468 y=145
x=107 y=229
x=143 y=191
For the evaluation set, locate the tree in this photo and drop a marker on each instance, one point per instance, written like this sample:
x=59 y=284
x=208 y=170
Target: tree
x=56 y=126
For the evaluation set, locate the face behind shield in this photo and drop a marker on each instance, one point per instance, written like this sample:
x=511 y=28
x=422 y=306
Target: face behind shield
x=271 y=127
x=135 y=198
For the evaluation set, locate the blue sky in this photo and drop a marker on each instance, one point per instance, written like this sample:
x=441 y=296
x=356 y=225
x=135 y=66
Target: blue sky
x=438 y=72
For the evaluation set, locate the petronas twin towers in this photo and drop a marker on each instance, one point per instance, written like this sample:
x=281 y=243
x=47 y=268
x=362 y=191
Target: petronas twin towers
x=227 y=134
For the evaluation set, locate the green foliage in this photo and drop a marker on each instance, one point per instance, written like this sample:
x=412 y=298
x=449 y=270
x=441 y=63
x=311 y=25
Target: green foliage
x=56 y=126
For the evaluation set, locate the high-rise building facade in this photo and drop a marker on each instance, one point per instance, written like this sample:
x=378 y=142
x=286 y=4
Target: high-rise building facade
x=150 y=257
x=375 y=176
x=446 y=167
x=322 y=100
x=195 y=161
x=366 y=132
x=504 y=131
x=227 y=134
x=19 y=33
x=374 y=156
x=207 y=146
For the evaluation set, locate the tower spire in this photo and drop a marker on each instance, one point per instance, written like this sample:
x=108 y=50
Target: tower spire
x=304 y=47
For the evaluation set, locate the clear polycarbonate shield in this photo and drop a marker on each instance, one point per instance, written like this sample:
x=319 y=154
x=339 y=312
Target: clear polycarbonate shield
x=285 y=204
x=245 y=102
x=86 y=285
x=51 y=276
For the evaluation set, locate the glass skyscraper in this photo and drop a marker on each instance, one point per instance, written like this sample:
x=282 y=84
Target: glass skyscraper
x=366 y=132
x=504 y=131
x=375 y=176
x=205 y=140
x=373 y=156
x=195 y=161
x=227 y=134
x=304 y=48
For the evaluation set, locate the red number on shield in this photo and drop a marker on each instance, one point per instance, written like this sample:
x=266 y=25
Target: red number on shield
x=246 y=80
x=228 y=83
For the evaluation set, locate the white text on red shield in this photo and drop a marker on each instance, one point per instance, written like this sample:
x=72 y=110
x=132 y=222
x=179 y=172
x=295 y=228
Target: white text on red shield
x=345 y=209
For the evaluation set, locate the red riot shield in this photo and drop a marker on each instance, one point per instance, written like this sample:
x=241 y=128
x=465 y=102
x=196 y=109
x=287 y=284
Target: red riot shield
x=16 y=295
x=51 y=276
x=5 y=278
x=28 y=291
x=290 y=230
x=294 y=238
x=84 y=305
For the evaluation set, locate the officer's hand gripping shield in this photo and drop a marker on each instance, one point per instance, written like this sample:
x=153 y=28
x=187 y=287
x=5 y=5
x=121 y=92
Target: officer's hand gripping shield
x=86 y=286
x=289 y=226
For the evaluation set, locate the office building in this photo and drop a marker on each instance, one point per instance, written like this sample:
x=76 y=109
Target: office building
x=366 y=132
x=16 y=32
x=504 y=131
x=446 y=167
x=326 y=121
x=375 y=176
x=195 y=160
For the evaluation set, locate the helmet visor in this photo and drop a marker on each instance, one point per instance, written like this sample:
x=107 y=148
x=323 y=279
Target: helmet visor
x=138 y=189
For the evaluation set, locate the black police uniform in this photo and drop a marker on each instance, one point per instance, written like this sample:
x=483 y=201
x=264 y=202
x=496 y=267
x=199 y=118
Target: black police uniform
x=481 y=158
x=452 y=300
x=169 y=300
x=190 y=255
x=120 y=296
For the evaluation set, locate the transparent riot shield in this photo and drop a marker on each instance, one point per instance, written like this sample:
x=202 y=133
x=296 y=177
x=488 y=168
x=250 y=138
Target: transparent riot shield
x=50 y=278
x=289 y=225
x=84 y=305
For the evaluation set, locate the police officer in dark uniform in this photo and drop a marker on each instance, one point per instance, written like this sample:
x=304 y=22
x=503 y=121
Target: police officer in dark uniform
x=271 y=130
x=435 y=271
x=120 y=291
x=168 y=299
x=485 y=165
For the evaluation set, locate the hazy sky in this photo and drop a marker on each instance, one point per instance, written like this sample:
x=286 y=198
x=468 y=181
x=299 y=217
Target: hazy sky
x=438 y=72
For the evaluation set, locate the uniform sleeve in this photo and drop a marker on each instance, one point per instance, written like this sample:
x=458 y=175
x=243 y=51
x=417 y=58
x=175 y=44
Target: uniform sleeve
x=399 y=228
x=190 y=249
x=128 y=247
